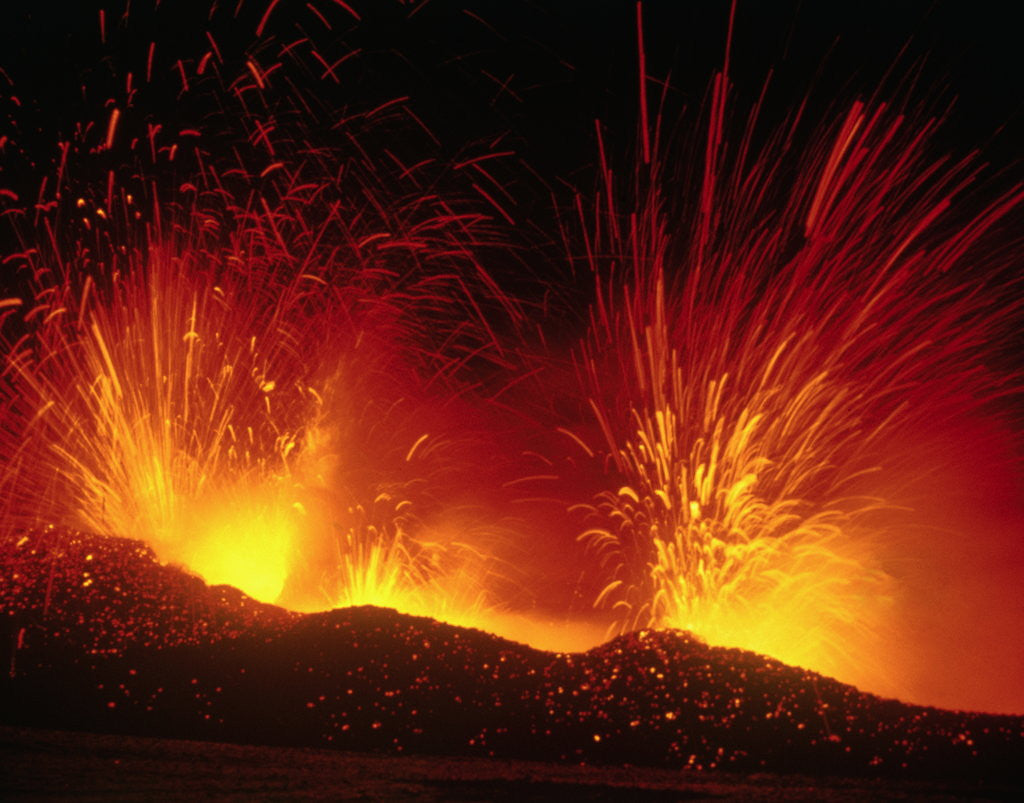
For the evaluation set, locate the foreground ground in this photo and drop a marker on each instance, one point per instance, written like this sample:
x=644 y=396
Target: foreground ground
x=41 y=765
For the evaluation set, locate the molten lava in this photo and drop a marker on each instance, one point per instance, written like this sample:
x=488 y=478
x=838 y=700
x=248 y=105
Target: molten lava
x=769 y=379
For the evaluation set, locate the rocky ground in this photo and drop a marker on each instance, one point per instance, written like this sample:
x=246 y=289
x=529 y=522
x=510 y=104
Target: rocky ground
x=56 y=765
x=98 y=637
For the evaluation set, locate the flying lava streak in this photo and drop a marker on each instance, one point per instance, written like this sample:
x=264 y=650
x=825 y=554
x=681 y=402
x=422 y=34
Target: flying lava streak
x=773 y=382
x=253 y=375
x=280 y=342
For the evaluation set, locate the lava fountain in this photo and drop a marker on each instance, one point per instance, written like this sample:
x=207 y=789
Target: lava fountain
x=181 y=404
x=775 y=372
x=255 y=370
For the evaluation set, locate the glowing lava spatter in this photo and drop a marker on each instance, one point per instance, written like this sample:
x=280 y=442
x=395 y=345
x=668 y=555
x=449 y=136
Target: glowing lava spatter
x=252 y=372
x=150 y=414
x=182 y=405
x=757 y=369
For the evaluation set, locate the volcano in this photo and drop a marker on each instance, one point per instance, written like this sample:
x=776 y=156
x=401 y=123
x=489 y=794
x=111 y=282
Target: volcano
x=361 y=362
x=99 y=636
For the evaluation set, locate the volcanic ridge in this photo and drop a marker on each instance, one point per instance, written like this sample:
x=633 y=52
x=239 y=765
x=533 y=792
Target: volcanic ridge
x=98 y=636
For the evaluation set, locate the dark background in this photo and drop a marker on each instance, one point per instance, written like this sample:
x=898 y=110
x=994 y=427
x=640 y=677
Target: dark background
x=542 y=71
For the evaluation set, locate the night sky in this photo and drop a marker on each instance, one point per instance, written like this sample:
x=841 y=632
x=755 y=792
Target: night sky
x=540 y=73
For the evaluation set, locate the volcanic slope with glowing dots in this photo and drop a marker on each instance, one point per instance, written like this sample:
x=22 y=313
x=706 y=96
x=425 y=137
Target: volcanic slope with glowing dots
x=100 y=636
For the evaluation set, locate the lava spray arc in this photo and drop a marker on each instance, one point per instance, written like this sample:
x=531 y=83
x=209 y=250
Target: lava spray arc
x=775 y=372
x=254 y=370
x=183 y=404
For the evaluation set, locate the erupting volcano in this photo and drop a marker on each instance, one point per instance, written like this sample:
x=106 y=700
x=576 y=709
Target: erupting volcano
x=732 y=415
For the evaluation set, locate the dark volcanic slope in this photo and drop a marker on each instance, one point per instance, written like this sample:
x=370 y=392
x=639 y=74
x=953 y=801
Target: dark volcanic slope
x=99 y=637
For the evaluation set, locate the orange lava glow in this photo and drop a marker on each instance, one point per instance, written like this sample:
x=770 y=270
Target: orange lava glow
x=775 y=452
x=178 y=400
